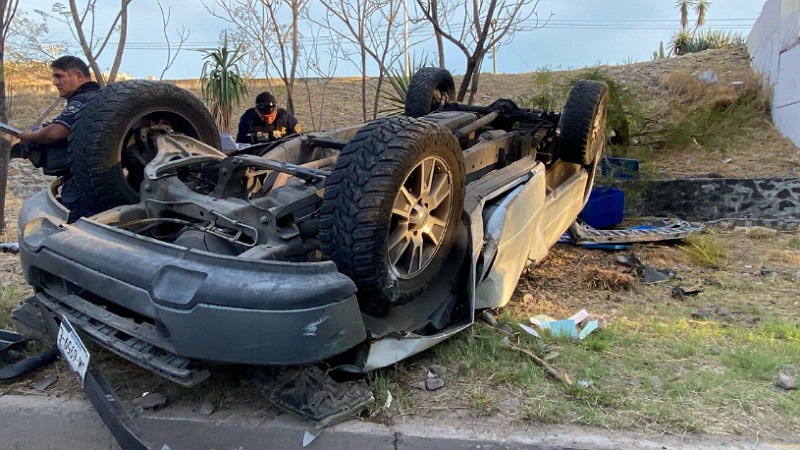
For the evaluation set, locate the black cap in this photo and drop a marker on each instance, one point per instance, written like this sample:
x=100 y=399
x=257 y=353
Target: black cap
x=265 y=103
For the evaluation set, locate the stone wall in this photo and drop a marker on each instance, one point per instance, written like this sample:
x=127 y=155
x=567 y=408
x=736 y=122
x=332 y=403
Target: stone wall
x=716 y=198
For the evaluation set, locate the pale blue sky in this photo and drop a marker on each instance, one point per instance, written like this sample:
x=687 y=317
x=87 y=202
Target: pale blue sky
x=581 y=33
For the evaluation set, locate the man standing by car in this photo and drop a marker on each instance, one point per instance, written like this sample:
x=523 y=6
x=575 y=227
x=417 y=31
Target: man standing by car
x=46 y=146
x=266 y=122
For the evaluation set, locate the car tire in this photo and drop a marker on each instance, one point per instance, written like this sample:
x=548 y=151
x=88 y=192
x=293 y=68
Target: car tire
x=113 y=136
x=582 y=123
x=429 y=88
x=379 y=222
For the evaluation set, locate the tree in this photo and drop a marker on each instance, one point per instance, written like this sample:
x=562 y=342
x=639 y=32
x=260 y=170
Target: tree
x=8 y=9
x=223 y=87
x=257 y=26
x=287 y=44
x=84 y=32
x=183 y=35
x=476 y=35
x=370 y=26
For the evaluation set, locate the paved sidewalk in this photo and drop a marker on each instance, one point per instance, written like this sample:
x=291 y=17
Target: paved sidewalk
x=53 y=423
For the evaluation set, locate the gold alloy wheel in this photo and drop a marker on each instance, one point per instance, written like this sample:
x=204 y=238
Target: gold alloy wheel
x=420 y=215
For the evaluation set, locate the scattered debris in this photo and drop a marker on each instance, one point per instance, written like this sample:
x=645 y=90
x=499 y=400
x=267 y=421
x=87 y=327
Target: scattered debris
x=9 y=247
x=562 y=377
x=311 y=393
x=650 y=274
x=46 y=382
x=309 y=436
x=388 y=403
x=150 y=400
x=207 y=408
x=680 y=293
x=585 y=383
x=488 y=317
x=701 y=314
x=419 y=385
x=653 y=276
x=604 y=246
x=577 y=326
x=727 y=160
x=432 y=384
x=529 y=330
x=11 y=344
x=766 y=271
x=661 y=230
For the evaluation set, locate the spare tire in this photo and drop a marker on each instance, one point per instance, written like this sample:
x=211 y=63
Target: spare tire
x=429 y=89
x=582 y=123
x=114 y=136
x=391 y=208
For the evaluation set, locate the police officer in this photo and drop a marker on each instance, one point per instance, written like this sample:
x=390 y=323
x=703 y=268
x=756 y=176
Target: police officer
x=46 y=146
x=266 y=122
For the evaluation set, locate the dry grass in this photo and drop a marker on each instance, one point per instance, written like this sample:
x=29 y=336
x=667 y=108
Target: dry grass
x=607 y=280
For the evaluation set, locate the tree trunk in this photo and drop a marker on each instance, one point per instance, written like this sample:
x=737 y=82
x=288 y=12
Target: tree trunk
x=5 y=147
x=439 y=40
x=476 y=74
x=363 y=85
x=462 y=88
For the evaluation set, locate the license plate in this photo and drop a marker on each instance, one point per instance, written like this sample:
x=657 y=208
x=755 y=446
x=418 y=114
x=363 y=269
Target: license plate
x=73 y=349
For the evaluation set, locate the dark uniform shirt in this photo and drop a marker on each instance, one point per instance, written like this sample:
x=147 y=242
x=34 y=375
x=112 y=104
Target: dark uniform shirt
x=252 y=129
x=75 y=103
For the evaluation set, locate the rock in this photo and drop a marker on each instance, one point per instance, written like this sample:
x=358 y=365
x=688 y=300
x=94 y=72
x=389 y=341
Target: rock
x=418 y=385
x=766 y=271
x=46 y=382
x=207 y=408
x=656 y=384
x=701 y=314
x=488 y=317
x=708 y=77
x=151 y=400
x=714 y=350
x=788 y=369
x=507 y=328
x=433 y=384
x=509 y=406
x=785 y=381
x=527 y=298
x=635 y=382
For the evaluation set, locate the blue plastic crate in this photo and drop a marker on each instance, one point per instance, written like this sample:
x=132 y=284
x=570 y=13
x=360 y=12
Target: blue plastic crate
x=621 y=168
x=604 y=208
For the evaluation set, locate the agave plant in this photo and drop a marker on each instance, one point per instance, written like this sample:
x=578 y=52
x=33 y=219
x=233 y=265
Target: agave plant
x=399 y=80
x=223 y=87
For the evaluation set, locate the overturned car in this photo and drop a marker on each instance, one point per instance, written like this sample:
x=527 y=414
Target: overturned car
x=356 y=247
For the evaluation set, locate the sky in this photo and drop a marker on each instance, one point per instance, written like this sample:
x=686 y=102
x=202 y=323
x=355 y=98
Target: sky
x=579 y=33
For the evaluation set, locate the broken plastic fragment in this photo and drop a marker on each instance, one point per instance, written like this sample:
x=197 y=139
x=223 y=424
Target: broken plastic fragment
x=564 y=327
x=309 y=436
x=388 y=403
x=591 y=326
x=579 y=316
x=529 y=330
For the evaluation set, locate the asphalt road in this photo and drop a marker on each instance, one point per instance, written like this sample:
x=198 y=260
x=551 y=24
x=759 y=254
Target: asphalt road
x=34 y=422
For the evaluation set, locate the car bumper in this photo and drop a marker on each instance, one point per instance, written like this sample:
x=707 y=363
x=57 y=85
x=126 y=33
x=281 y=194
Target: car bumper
x=128 y=293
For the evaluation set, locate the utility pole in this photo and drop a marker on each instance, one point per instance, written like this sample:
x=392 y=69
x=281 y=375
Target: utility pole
x=494 y=50
x=405 y=37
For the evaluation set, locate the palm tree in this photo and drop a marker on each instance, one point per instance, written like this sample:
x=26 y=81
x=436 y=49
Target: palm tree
x=701 y=8
x=683 y=6
x=223 y=87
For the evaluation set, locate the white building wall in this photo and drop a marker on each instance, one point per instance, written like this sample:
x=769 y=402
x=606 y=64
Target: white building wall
x=774 y=45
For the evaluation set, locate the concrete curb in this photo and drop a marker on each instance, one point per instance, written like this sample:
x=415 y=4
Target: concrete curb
x=54 y=423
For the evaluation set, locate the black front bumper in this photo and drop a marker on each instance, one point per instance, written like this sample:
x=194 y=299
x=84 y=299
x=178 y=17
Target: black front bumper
x=156 y=303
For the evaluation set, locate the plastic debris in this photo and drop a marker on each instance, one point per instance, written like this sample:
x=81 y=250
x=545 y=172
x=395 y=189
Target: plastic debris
x=9 y=247
x=577 y=326
x=529 y=330
x=309 y=436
